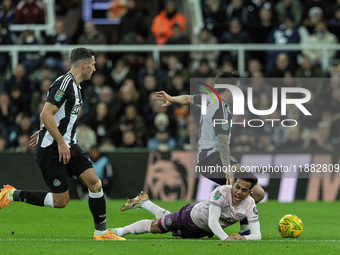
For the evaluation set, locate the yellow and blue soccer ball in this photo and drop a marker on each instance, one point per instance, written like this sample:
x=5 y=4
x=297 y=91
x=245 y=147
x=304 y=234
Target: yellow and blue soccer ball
x=290 y=226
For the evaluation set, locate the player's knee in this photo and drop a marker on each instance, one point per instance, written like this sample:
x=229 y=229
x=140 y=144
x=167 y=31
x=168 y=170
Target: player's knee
x=92 y=182
x=155 y=227
x=95 y=186
x=61 y=203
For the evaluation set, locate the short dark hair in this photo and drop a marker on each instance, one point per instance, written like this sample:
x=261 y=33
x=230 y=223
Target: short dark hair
x=227 y=77
x=78 y=54
x=246 y=176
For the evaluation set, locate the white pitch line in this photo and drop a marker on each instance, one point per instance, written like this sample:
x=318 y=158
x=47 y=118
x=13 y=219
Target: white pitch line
x=157 y=240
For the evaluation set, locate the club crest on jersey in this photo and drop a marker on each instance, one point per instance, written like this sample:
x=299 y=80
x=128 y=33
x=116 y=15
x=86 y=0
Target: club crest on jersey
x=217 y=195
x=56 y=183
x=58 y=95
x=225 y=126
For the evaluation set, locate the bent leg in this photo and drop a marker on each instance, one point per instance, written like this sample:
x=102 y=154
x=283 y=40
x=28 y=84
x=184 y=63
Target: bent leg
x=60 y=200
x=140 y=227
x=156 y=229
x=156 y=210
x=90 y=179
x=41 y=198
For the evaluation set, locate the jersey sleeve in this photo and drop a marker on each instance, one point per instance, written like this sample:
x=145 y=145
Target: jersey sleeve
x=221 y=120
x=253 y=220
x=255 y=232
x=59 y=91
x=214 y=225
x=197 y=100
x=252 y=214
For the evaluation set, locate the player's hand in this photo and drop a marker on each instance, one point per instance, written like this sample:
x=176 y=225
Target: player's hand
x=34 y=139
x=64 y=153
x=236 y=237
x=230 y=181
x=162 y=95
x=230 y=178
x=230 y=238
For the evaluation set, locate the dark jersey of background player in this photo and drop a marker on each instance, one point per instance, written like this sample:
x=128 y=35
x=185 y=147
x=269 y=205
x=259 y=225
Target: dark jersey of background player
x=208 y=144
x=214 y=139
x=65 y=94
x=58 y=155
x=212 y=153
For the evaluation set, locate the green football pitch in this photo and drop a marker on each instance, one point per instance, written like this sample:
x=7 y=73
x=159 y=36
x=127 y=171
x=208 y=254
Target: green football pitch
x=25 y=229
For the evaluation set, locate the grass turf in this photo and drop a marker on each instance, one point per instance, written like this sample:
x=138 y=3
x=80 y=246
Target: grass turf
x=25 y=229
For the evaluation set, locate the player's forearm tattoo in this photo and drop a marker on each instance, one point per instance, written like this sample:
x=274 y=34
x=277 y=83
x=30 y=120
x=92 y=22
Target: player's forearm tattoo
x=224 y=149
x=183 y=99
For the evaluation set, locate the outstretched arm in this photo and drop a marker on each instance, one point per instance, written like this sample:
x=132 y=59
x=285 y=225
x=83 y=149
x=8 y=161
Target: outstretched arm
x=214 y=225
x=169 y=100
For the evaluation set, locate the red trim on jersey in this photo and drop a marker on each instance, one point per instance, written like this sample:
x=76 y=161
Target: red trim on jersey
x=161 y=227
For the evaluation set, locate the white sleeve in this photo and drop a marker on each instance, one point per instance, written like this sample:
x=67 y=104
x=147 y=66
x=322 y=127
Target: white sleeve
x=214 y=225
x=255 y=233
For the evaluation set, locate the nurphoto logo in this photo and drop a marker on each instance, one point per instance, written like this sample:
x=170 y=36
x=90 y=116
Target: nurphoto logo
x=302 y=96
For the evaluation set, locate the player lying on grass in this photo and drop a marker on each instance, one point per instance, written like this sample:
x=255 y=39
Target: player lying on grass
x=226 y=205
x=213 y=143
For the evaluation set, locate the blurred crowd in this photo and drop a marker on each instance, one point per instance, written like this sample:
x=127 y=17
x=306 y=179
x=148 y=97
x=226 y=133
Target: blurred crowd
x=120 y=110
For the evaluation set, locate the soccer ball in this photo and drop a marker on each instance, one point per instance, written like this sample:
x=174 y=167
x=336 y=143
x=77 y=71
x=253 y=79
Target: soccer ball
x=290 y=226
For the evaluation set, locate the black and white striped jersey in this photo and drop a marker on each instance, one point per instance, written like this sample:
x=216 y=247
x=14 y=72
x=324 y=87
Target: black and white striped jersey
x=66 y=95
x=209 y=129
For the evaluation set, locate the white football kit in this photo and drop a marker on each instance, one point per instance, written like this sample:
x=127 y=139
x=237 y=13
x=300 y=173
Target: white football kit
x=219 y=212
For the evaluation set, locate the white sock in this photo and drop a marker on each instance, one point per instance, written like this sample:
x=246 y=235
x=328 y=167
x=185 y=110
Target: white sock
x=10 y=195
x=139 y=227
x=49 y=200
x=120 y=232
x=158 y=211
x=147 y=205
x=99 y=232
x=96 y=195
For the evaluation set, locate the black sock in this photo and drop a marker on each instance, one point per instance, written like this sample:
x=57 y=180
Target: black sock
x=98 y=210
x=33 y=197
